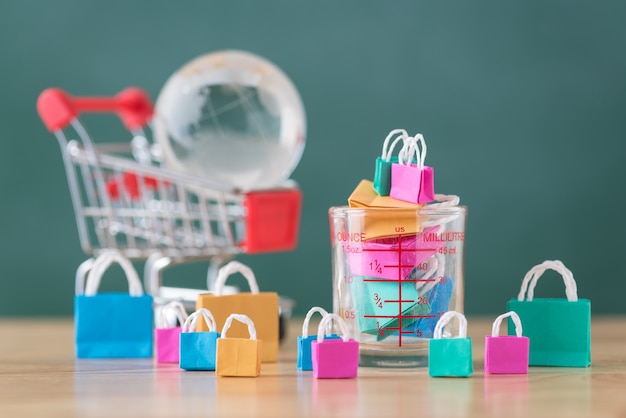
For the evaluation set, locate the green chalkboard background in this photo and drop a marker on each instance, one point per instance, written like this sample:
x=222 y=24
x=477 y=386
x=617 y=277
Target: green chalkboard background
x=523 y=105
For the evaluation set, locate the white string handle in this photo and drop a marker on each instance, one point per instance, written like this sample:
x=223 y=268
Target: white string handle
x=495 y=329
x=387 y=150
x=192 y=320
x=443 y=321
x=307 y=318
x=177 y=308
x=244 y=319
x=231 y=268
x=325 y=323
x=565 y=272
x=102 y=263
x=445 y=200
x=410 y=147
x=533 y=275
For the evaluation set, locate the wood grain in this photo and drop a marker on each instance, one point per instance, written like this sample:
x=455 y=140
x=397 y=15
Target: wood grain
x=39 y=376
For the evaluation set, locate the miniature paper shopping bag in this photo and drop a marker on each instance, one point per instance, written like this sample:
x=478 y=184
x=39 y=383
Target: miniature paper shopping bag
x=409 y=182
x=261 y=307
x=382 y=175
x=334 y=358
x=506 y=354
x=559 y=329
x=450 y=356
x=198 y=349
x=239 y=356
x=170 y=319
x=304 y=341
x=387 y=215
x=112 y=325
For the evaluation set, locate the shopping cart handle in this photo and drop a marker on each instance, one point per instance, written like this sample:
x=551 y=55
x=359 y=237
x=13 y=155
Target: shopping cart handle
x=58 y=109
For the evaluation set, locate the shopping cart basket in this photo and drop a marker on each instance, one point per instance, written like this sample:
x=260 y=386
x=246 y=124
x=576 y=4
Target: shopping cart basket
x=126 y=200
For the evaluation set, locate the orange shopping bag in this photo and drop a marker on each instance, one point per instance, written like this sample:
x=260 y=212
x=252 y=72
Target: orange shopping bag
x=384 y=215
x=260 y=307
x=238 y=356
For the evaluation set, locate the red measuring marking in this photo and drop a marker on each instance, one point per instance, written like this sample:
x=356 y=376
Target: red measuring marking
x=399 y=266
x=395 y=249
x=403 y=316
x=405 y=280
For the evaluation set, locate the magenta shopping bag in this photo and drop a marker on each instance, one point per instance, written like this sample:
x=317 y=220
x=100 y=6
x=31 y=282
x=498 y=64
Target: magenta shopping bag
x=414 y=183
x=506 y=354
x=170 y=319
x=334 y=359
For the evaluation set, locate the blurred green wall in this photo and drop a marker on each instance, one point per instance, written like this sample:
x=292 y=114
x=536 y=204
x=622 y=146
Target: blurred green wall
x=523 y=106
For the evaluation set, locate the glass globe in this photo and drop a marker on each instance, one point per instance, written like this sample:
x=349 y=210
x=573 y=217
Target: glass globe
x=232 y=117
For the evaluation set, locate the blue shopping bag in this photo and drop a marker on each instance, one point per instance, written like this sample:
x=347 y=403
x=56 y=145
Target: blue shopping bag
x=304 y=361
x=112 y=325
x=198 y=350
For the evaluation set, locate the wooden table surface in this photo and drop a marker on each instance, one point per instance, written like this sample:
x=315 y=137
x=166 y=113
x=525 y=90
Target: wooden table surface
x=39 y=376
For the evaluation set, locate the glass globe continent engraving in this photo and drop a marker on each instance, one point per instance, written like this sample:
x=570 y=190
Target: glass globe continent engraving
x=231 y=117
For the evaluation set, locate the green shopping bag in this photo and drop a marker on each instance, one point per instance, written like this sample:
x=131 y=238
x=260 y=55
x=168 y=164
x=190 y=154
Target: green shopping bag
x=382 y=174
x=559 y=329
x=450 y=357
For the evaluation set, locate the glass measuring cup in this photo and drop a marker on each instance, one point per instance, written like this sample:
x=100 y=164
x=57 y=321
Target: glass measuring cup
x=395 y=272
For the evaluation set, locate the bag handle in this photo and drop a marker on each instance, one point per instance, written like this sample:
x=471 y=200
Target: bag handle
x=533 y=275
x=244 y=319
x=387 y=150
x=410 y=147
x=325 y=323
x=495 y=329
x=307 y=318
x=102 y=263
x=445 y=200
x=443 y=321
x=178 y=309
x=192 y=320
x=231 y=268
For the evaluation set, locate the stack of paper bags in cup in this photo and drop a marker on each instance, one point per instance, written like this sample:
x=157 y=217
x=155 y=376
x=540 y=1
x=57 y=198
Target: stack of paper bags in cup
x=393 y=236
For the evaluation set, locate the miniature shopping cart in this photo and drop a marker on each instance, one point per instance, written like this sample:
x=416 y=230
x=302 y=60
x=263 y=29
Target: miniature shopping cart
x=126 y=200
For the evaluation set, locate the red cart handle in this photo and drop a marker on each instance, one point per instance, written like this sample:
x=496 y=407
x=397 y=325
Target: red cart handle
x=58 y=109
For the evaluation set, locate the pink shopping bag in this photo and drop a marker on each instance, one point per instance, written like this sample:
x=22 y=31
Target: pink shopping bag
x=414 y=183
x=334 y=359
x=506 y=354
x=170 y=319
x=385 y=258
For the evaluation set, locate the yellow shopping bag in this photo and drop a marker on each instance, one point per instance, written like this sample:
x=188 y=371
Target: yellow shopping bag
x=385 y=216
x=260 y=307
x=238 y=356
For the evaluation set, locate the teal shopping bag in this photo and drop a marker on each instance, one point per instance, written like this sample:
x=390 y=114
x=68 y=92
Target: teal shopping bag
x=382 y=174
x=559 y=329
x=381 y=305
x=112 y=325
x=198 y=349
x=450 y=357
